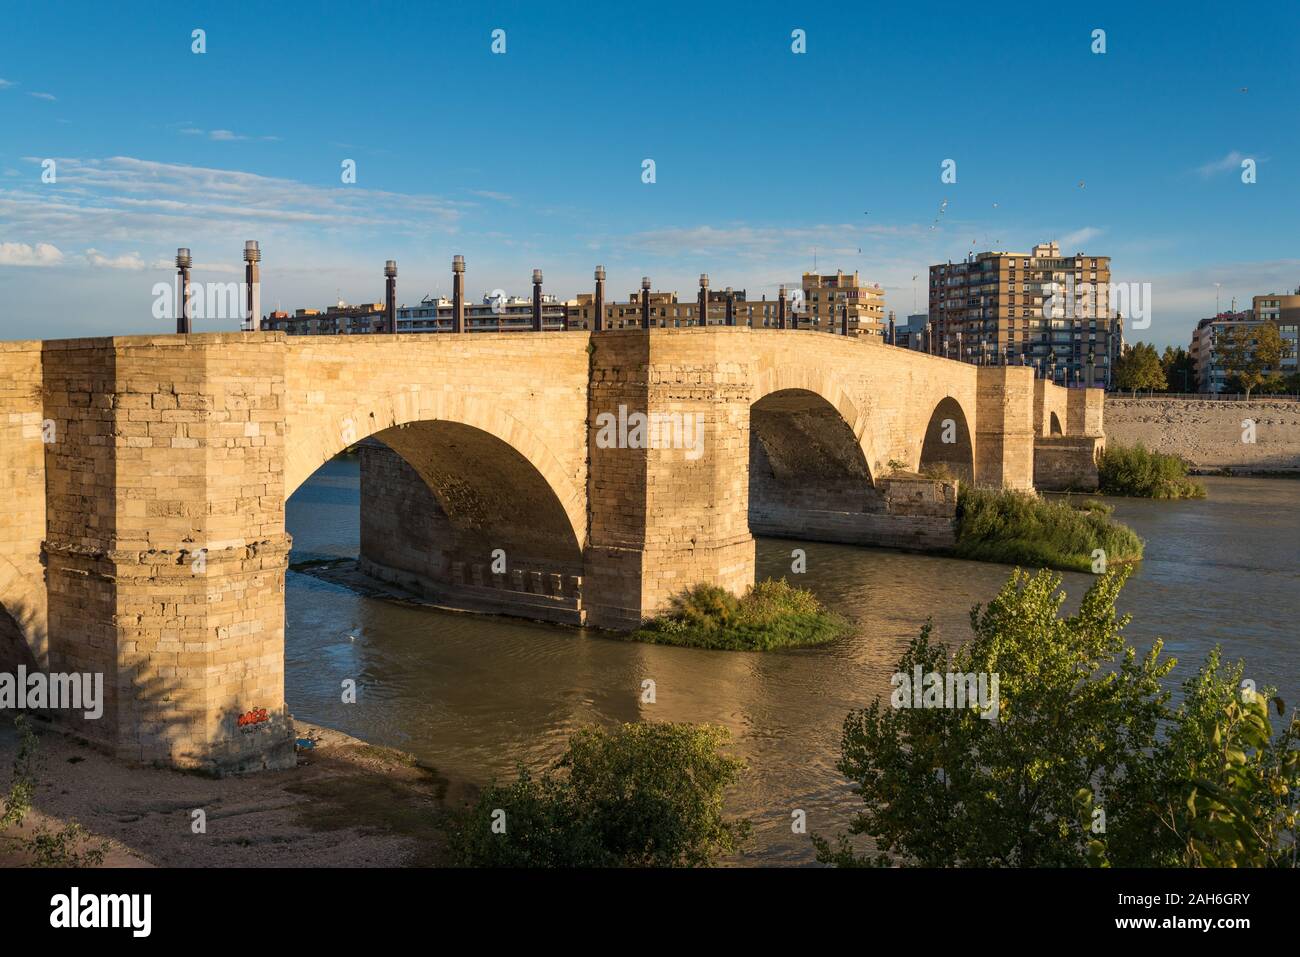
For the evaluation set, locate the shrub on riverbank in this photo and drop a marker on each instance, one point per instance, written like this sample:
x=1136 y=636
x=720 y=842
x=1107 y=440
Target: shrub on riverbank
x=1078 y=760
x=1137 y=471
x=639 y=795
x=1017 y=528
x=773 y=614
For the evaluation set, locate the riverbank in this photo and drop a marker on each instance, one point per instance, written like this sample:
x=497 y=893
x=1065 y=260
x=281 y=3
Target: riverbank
x=346 y=804
x=1209 y=434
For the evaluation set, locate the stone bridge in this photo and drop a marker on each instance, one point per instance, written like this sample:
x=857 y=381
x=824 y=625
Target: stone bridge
x=145 y=480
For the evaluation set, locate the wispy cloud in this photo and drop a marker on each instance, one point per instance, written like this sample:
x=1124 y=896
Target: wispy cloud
x=118 y=205
x=125 y=261
x=224 y=136
x=490 y=194
x=5 y=83
x=1230 y=161
x=23 y=254
x=44 y=96
x=1075 y=240
x=745 y=241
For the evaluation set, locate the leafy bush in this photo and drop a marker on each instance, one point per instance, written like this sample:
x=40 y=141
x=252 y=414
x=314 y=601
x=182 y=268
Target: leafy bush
x=773 y=614
x=1087 y=763
x=640 y=795
x=1017 y=528
x=1139 y=472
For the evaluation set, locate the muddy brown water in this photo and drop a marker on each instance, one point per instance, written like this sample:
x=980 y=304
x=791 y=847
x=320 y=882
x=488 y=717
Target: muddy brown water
x=477 y=696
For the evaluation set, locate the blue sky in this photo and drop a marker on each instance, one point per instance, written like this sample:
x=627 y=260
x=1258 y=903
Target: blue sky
x=533 y=158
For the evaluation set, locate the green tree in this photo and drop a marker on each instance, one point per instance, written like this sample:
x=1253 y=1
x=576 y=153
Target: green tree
x=640 y=795
x=1249 y=354
x=1139 y=368
x=1180 y=373
x=1077 y=770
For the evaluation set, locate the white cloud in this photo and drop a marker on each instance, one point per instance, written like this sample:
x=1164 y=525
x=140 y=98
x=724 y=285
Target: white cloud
x=22 y=254
x=1231 y=161
x=4 y=83
x=223 y=136
x=44 y=96
x=1072 y=242
x=125 y=261
x=121 y=203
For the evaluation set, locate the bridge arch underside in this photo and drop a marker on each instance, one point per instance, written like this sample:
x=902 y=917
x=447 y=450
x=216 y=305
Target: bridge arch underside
x=810 y=480
x=807 y=471
x=457 y=515
x=948 y=448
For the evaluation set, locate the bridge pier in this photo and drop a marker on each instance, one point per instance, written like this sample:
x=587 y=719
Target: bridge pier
x=669 y=508
x=165 y=546
x=1068 y=437
x=1004 y=429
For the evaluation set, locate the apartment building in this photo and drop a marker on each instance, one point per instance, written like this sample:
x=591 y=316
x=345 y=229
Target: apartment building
x=492 y=313
x=913 y=334
x=990 y=309
x=827 y=296
x=668 y=310
x=1281 y=310
x=340 y=319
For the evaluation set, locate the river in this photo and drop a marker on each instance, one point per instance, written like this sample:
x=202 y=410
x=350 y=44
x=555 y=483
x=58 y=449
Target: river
x=477 y=696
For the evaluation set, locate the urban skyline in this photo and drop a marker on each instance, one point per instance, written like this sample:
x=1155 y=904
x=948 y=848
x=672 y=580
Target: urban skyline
x=1162 y=195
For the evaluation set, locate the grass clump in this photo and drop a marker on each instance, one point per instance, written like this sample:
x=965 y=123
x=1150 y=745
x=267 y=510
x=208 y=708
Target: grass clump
x=773 y=614
x=1136 y=471
x=1016 y=528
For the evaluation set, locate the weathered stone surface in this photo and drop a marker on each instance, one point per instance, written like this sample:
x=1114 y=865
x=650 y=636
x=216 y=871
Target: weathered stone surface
x=1211 y=433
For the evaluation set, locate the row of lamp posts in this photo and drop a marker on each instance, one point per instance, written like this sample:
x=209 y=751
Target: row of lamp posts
x=252 y=304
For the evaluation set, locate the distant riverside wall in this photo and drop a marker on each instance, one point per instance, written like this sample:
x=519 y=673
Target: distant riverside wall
x=1208 y=433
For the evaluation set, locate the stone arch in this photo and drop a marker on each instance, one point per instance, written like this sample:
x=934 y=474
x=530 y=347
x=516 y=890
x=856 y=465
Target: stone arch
x=316 y=443
x=831 y=392
x=949 y=442
x=1055 y=424
x=485 y=495
x=23 y=638
x=807 y=468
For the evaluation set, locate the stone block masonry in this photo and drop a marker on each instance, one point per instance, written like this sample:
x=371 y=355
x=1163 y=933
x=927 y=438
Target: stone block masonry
x=146 y=539
x=1210 y=432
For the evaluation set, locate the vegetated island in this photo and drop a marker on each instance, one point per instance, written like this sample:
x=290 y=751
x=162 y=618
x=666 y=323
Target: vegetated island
x=1019 y=528
x=772 y=614
x=1139 y=472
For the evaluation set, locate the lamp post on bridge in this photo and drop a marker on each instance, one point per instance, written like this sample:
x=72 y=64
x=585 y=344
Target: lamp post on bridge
x=780 y=308
x=390 y=297
x=183 y=263
x=598 y=321
x=645 y=302
x=704 y=299
x=253 y=282
x=458 y=294
x=537 y=300
x=731 y=309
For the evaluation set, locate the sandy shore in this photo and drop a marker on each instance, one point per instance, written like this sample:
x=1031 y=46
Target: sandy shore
x=346 y=804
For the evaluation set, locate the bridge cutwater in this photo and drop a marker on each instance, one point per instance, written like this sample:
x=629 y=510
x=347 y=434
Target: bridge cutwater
x=145 y=481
